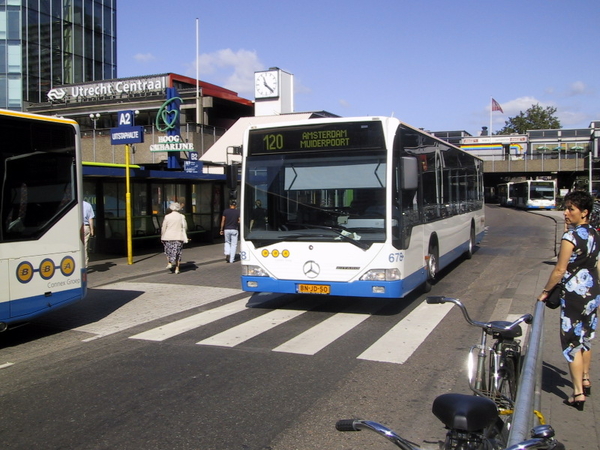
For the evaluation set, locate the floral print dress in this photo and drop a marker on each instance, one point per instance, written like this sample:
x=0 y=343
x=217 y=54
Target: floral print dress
x=579 y=307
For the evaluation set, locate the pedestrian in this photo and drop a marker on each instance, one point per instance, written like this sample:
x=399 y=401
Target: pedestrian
x=579 y=249
x=229 y=229
x=173 y=235
x=258 y=218
x=89 y=230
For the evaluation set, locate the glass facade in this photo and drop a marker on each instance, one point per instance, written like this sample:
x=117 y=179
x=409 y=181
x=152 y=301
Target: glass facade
x=48 y=43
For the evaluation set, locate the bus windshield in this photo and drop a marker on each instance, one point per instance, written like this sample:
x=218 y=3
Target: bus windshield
x=541 y=190
x=328 y=197
x=37 y=177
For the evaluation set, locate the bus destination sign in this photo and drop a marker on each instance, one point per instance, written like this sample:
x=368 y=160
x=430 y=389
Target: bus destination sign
x=318 y=137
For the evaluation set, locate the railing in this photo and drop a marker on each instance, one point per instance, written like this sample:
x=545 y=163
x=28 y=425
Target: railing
x=536 y=162
x=530 y=384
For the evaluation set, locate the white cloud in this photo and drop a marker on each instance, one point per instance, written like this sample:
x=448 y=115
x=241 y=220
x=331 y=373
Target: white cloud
x=578 y=88
x=570 y=119
x=144 y=57
x=231 y=69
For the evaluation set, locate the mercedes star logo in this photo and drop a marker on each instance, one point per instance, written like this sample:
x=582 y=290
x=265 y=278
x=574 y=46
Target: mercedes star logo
x=311 y=269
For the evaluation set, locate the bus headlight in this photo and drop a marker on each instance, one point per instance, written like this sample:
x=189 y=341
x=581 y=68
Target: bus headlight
x=381 y=275
x=254 y=271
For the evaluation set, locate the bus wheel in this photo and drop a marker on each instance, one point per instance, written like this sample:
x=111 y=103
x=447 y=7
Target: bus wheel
x=432 y=266
x=471 y=249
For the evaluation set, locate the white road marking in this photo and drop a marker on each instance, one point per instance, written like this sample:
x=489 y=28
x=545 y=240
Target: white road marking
x=250 y=329
x=189 y=323
x=154 y=302
x=398 y=344
x=320 y=336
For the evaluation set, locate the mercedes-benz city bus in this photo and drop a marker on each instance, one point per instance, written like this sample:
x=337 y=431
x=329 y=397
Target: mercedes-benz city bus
x=367 y=207
x=41 y=247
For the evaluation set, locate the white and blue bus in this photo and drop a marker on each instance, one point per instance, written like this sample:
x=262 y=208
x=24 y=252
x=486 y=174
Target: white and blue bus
x=506 y=194
x=535 y=194
x=366 y=207
x=41 y=247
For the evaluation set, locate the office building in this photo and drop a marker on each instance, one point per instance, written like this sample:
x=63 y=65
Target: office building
x=47 y=43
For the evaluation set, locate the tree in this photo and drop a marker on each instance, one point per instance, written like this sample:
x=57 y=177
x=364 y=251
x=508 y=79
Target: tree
x=535 y=118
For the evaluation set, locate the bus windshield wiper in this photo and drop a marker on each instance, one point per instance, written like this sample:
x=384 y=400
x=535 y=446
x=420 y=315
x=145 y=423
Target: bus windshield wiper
x=344 y=234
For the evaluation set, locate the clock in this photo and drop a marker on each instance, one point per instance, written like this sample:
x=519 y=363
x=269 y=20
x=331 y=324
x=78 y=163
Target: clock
x=266 y=84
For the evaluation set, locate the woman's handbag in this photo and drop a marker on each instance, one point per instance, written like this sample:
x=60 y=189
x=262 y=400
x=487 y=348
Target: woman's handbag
x=554 y=296
x=557 y=292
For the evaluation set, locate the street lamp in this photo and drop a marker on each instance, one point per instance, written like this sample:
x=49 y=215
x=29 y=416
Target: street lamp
x=94 y=118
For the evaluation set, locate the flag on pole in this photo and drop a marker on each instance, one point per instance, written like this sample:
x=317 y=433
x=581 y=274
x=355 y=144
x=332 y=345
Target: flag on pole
x=496 y=106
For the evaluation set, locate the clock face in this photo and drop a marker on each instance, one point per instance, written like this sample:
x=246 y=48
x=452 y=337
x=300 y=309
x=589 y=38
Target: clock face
x=266 y=84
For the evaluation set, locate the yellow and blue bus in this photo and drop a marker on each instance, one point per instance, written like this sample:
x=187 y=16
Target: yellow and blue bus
x=41 y=233
x=365 y=207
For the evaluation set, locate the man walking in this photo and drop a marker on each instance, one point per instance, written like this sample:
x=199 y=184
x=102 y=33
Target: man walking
x=229 y=229
x=88 y=228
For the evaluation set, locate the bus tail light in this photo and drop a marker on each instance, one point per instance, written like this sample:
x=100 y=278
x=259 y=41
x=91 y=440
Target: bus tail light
x=381 y=275
x=254 y=271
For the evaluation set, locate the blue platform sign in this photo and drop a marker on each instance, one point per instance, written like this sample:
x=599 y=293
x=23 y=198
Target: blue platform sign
x=192 y=166
x=125 y=119
x=127 y=135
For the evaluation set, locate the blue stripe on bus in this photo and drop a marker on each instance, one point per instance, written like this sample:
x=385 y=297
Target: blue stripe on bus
x=24 y=309
x=393 y=289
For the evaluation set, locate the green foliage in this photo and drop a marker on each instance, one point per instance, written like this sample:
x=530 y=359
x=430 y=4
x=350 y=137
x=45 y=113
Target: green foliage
x=535 y=118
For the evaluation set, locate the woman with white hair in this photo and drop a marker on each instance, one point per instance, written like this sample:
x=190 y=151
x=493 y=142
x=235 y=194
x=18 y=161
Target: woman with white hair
x=173 y=235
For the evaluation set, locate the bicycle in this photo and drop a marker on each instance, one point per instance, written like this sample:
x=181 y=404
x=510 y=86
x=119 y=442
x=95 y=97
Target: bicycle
x=499 y=380
x=542 y=436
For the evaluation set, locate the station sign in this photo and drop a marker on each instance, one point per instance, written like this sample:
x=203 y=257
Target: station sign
x=127 y=135
x=172 y=144
x=109 y=89
x=126 y=132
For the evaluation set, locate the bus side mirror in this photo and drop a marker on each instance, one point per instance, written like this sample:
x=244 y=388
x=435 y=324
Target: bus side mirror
x=232 y=173
x=410 y=173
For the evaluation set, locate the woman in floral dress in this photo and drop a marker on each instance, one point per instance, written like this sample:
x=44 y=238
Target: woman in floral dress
x=579 y=250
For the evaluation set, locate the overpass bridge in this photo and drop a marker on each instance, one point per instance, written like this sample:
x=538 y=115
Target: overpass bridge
x=565 y=168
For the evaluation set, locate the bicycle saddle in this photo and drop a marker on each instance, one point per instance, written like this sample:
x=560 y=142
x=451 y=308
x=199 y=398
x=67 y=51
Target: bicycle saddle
x=510 y=334
x=464 y=412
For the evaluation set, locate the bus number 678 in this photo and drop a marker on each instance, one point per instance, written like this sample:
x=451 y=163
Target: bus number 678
x=396 y=257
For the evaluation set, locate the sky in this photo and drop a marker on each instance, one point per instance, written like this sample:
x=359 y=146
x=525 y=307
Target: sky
x=434 y=64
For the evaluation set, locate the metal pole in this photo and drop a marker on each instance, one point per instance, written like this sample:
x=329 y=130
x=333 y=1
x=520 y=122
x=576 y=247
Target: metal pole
x=590 y=171
x=531 y=374
x=94 y=139
x=94 y=118
x=128 y=207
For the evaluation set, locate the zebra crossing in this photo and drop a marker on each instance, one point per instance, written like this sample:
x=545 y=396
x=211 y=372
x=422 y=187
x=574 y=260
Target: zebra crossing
x=395 y=345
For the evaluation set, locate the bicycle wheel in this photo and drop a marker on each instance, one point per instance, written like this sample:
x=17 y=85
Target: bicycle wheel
x=503 y=378
x=496 y=436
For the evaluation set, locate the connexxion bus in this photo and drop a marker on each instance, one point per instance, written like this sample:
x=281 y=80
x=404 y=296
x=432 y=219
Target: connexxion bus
x=367 y=207
x=41 y=248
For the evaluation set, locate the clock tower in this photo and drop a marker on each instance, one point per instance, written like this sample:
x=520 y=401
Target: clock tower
x=273 y=92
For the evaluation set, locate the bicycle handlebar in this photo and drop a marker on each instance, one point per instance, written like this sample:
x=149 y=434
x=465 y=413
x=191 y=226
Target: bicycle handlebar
x=488 y=326
x=358 y=425
x=540 y=441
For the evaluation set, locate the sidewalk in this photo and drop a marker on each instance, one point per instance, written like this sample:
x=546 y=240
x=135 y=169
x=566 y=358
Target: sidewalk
x=146 y=262
x=575 y=429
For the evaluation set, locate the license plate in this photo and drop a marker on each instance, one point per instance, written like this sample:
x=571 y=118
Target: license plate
x=313 y=289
